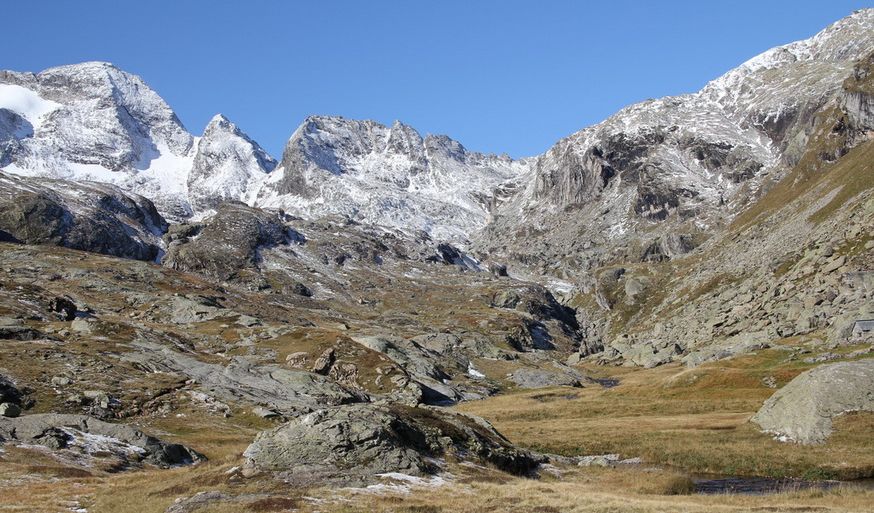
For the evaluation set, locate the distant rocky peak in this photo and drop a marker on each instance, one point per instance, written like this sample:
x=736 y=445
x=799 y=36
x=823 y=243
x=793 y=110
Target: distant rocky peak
x=445 y=147
x=405 y=139
x=220 y=128
x=227 y=166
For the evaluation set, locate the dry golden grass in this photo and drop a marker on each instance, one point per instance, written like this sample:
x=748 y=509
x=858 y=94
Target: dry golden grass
x=593 y=491
x=694 y=419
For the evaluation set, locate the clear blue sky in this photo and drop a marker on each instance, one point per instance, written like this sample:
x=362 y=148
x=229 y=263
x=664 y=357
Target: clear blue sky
x=499 y=76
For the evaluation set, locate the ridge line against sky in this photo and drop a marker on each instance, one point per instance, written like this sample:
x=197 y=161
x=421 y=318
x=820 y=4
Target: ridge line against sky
x=498 y=76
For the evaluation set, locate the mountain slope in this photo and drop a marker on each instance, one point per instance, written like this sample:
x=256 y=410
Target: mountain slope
x=659 y=177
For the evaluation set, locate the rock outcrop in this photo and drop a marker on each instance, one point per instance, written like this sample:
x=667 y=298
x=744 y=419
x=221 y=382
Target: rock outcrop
x=91 y=436
x=79 y=215
x=228 y=242
x=357 y=442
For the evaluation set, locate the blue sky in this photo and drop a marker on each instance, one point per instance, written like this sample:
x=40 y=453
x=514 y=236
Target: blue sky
x=499 y=76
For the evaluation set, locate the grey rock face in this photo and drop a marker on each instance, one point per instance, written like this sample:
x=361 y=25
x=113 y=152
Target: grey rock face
x=12 y=127
x=539 y=303
x=450 y=255
x=424 y=366
x=86 y=216
x=659 y=177
x=186 y=310
x=57 y=431
x=803 y=410
x=737 y=345
x=355 y=442
x=228 y=242
x=386 y=175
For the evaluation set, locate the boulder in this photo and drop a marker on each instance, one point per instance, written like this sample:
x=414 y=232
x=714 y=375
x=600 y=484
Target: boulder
x=301 y=290
x=729 y=348
x=9 y=410
x=498 y=270
x=19 y=332
x=63 y=308
x=448 y=254
x=539 y=378
x=357 y=442
x=324 y=362
x=649 y=355
x=9 y=393
x=297 y=360
x=802 y=411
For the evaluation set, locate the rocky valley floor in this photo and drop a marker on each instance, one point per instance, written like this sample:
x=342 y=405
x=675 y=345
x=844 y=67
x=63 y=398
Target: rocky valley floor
x=211 y=366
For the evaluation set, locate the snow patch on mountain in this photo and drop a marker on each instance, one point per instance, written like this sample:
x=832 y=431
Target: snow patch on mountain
x=27 y=104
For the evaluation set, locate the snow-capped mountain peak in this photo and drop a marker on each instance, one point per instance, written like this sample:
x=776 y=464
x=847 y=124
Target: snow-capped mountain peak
x=387 y=175
x=93 y=121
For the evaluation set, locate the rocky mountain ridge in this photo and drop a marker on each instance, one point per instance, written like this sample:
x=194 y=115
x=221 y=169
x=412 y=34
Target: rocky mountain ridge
x=666 y=174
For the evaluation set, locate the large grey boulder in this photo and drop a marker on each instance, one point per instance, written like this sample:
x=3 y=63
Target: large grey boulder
x=729 y=348
x=357 y=442
x=802 y=411
x=539 y=378
x=9 y=393
x=60 y=431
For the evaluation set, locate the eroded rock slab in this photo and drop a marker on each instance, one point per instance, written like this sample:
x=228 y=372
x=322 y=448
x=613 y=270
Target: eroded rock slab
x=95 y=437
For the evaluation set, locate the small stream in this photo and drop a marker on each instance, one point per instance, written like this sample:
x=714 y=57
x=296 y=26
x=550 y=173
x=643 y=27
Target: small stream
x=607 y=382
x=710 y=485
